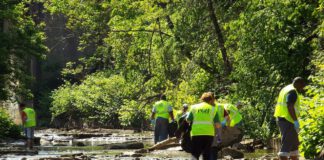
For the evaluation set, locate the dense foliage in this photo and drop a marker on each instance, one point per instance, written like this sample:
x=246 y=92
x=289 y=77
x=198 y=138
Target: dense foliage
x=136 y=50
x=7 y=127
x=312 y=125
x=20 y=40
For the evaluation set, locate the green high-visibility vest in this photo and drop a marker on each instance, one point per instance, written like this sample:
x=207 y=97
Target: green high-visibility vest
x=31 y=117
x=234 y=114
x=281 y=109
x=203 y=119
x=162 y=109
x=220 y=111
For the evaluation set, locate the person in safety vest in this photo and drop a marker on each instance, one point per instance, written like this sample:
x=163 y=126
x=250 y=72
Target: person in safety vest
x=235 y=116
x=223 y=119
x=203 y=118
x=223 y=114
x=28 y=117
x=161 y=112
x=287 y=113
x=183 y=112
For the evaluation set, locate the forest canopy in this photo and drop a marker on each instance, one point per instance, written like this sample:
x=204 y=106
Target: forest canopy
x=136 y=50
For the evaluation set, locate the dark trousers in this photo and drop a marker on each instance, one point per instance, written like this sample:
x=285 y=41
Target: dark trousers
x=289 y=136
x=201 y=145
x=160 y=129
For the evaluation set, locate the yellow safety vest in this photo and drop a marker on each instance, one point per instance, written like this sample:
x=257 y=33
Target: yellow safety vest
x=234 y=114
x=203 y=120
x=281 y=109
x=220 y=111
x=31 y=117
x=162 y=109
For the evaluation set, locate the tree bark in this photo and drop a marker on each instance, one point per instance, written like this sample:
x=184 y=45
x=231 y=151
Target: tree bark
x=220 y=38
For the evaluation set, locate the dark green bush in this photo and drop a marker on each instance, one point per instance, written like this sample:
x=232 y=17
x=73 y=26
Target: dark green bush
x=7 y=127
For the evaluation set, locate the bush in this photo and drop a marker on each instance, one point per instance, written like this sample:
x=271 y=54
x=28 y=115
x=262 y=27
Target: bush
x=312 y=114
x=7 y=127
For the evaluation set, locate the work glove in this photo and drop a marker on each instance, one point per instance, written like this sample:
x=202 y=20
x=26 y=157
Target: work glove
x=296 y=125
x=223 y=123
x=218 y=135
x=219 y=140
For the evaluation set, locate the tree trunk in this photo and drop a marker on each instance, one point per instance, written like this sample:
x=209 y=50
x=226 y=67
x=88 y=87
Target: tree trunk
x=221 y=43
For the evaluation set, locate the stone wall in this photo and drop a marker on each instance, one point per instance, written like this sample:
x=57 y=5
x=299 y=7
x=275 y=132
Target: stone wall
x=12 y=109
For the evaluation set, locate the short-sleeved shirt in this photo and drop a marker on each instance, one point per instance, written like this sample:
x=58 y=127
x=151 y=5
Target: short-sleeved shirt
x=190 y=117
x=291 y=97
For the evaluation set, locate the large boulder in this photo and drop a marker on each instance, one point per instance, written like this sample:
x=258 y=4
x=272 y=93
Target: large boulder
x=230 y=136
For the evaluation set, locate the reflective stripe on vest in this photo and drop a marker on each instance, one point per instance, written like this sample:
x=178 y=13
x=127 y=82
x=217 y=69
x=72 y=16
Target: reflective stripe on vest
x=31 y=117
x=203 y=119
x=234 y=114
x=281 y=109
x=162 y=109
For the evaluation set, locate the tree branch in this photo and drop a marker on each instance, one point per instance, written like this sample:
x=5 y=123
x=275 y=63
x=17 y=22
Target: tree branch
x=220 y=38
x=184 y=49
x=141 y=30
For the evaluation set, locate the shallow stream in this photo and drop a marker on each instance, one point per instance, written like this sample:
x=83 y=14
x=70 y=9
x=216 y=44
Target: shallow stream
x=55 y=143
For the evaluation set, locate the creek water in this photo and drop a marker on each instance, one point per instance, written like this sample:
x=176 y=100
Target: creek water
x=55 y=143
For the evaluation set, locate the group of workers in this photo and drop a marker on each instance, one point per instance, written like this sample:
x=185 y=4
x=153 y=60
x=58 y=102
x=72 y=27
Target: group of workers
x=203 y=117
x=208 y=117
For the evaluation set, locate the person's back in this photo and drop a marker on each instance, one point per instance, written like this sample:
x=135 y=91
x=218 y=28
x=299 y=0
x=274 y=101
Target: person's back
x=28 y=116
x=162 y=109
x=202 y=116
x=161 y=113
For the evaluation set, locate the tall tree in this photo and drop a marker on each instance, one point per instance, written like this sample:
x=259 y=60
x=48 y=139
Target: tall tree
x=20 y=39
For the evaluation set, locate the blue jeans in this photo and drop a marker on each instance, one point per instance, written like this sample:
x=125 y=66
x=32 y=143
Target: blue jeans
x=161 y=129
x=29 y=132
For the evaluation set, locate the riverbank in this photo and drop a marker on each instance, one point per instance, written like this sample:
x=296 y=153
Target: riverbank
x=99 y=144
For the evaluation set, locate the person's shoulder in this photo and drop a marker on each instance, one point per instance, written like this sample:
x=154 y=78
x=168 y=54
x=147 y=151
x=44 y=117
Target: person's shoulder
x=292 y=92
x=194 y=106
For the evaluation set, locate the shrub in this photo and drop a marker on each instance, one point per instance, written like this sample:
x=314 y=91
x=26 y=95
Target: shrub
x=7 y=127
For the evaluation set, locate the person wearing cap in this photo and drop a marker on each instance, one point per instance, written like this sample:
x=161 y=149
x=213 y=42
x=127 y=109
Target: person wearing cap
x=28 y=117
x=287 y=113
x=161 y=112
x=182 y=112
x=203 y=118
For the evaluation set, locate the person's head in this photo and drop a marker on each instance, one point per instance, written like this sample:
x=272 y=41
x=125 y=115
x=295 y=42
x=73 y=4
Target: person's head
x=22 y=105
x=208 y=97
x=163 y=97
x=299 y=83
x=185 y=107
